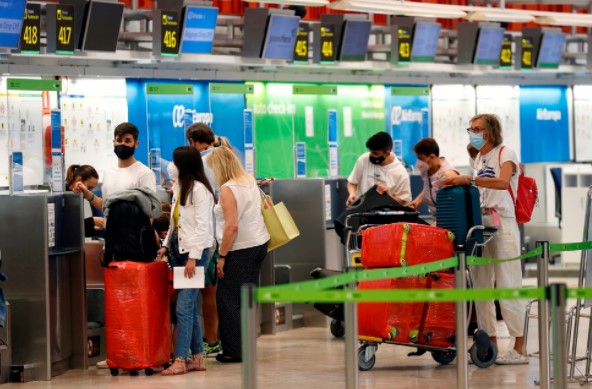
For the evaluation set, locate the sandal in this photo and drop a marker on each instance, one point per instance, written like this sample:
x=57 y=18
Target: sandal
x=178 y=367
x=197 y=363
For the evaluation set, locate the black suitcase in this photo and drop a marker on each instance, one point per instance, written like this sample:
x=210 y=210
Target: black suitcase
x=373 y=201
x=458 y=209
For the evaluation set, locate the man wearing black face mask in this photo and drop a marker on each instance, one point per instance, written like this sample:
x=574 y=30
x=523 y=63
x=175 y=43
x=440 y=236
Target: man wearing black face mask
x=129 y=173
x=379 y=167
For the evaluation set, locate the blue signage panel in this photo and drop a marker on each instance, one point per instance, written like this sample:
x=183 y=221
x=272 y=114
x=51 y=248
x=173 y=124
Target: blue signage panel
x=11 y=19
x=300 y=157
x=56 y=131
x=333 y=144
x=198 y=29
x=408 y=120
x=544 y=124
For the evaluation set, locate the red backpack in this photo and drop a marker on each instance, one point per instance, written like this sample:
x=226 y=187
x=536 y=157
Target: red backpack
x=527 y=195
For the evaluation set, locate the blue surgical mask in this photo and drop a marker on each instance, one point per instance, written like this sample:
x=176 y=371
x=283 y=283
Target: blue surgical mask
x=477 y=140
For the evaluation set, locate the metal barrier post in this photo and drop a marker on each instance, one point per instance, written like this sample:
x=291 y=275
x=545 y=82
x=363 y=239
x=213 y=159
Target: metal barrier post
x=249 y=336
x=462 y=372
x=558 y=297
x=351 y=340
x=544 y=351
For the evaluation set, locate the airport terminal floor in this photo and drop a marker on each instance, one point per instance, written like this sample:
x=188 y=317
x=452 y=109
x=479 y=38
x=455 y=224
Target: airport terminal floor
x=310 y=357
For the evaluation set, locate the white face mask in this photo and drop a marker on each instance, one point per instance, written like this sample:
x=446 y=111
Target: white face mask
x=172 y=171
x=422 y=167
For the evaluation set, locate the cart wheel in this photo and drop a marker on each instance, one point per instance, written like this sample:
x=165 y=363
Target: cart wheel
x=363 y=363
x=134 y=373
x=485 y=360
x=114 y=371
x=148 y=371
x=444 y=357
x=337 y=328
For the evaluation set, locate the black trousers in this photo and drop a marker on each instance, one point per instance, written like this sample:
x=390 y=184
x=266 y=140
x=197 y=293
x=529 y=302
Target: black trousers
x=240 y=267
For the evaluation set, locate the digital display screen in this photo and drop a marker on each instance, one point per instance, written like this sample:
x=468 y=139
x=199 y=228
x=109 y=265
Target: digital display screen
x=199 y=26
x=11 y=19
x=489 y=46
x=425 y=41
x=103 y=23
x=551 y=50
x=354 y=43
x=280 y=37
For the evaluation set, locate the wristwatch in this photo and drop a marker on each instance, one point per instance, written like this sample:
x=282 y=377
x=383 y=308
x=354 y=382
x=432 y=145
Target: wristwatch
x=474 y=181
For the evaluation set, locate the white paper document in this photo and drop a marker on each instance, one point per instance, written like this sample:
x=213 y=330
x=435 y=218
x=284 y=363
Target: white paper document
x=181 y=282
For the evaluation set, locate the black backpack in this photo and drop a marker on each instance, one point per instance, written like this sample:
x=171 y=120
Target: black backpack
x=129 y=235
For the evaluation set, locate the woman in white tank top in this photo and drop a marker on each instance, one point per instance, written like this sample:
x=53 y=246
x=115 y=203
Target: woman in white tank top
x=243 y=239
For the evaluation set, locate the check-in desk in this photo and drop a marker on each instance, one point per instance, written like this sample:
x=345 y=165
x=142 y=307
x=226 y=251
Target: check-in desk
x=42 y=253
x=313 y=204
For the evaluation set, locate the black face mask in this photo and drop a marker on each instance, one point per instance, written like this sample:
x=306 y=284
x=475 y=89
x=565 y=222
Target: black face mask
x=124 y=152
x=377 y=160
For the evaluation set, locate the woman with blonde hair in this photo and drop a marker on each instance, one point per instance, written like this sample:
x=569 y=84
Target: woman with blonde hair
x=243 y=242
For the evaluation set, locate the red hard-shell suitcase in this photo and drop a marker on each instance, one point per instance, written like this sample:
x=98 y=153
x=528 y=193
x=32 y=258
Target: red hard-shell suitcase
x=405 y=244
x=439 y=327
x=398 y=322
x=137 y=315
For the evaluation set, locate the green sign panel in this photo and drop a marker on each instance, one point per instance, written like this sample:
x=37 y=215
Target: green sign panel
x=34 y=85
x=169 y=89
x=314 y=90
x=240 y=89
x=410 y=91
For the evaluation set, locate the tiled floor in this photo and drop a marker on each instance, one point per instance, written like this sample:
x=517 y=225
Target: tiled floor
x=310 y=358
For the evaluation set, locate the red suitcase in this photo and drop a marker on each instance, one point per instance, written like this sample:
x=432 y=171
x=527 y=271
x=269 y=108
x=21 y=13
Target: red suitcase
x=137 y=315
x=405 y=244
x=439 y=326
x=398 y=322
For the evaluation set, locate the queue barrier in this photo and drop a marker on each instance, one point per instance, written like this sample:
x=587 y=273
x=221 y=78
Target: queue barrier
x=322 y=290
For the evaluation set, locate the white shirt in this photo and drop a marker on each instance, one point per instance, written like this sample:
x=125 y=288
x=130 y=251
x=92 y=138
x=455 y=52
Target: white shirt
x=118 y=179
x=209 y=173
x=196 y=228
x=431 y=184
x=394 y=176
x=489 y=165
x=251 y=228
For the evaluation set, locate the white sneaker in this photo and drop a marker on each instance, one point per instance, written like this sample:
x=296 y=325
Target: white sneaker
x=512 y=357
x=102 y=364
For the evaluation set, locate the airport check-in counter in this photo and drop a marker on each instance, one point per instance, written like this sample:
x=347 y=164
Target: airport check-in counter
x=42 y=253
x=313 y=204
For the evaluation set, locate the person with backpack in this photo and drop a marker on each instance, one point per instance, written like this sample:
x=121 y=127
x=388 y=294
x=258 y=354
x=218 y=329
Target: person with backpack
x=496 y=175
x=129 y=172
x=188 y=242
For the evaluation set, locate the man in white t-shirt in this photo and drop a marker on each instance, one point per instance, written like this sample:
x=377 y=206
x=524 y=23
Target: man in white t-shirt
x=129 y=172
x=379 y=167
x=201 y=137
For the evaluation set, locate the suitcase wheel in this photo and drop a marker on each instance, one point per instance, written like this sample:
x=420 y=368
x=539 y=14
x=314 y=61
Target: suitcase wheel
x=114 y=371
x=337 y=328
x=483 y=358
x=148 y=371
x=134 y=373
x=366 y=363
x=444 y=357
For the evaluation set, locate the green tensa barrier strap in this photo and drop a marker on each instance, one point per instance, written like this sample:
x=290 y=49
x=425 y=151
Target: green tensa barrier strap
x=553 y=247
x=396 y=295
x=366 y=275
x=580 y=293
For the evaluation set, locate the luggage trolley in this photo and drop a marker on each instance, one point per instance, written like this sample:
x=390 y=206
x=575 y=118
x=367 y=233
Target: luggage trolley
x=354 y=223
x=483 y=352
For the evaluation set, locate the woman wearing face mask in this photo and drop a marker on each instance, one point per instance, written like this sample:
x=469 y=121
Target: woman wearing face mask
x=496 y=166
x=433 y=170
x=83 y=179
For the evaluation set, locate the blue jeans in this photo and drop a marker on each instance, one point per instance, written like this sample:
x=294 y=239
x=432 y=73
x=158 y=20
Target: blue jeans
x=189 y=334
